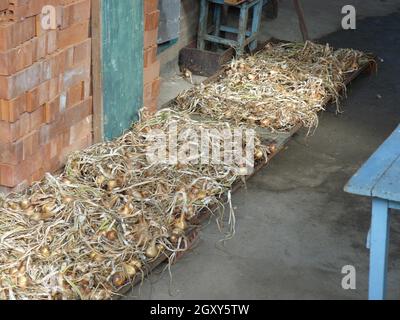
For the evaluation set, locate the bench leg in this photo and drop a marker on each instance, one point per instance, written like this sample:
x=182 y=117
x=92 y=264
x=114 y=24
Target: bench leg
x=202 y=24
x=379 y=249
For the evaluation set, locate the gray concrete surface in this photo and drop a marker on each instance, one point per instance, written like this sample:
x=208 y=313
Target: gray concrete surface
x=296 y=228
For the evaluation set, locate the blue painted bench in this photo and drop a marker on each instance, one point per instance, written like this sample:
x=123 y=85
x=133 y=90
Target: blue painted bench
x=379 y=178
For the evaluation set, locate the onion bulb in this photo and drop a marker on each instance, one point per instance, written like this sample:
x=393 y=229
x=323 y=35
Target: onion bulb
x=152 y=251
x=174 y=238
x=29 y=212
x=130 y=270
x=136 y=263
x=272 y=148
x=265 y=123
x=259 y=154
x=14 y=206
x=48 y=208
x=22 y=281
x=202 y=195
x=67 y=199
x=111 y=185
x=181 y=222
x=112 y=235
x=243 y=171
x=95 y=257
x=126 y=210
x=100 y=180
x=45 y=251
x=24 y=204
x=66 y=181
x=99 y=295
x=118 y=279
x=37 y=216
x=136 y=195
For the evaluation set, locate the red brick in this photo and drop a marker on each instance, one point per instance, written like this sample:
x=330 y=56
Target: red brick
x=150 y=56
x=151 y=20
x=150 y=38
x=150 y=5
x=37 y=118
x=10 y=110
x=75 y=94
x=152 y=72
x=75 y=13
x=12 y=34
x=72 y=35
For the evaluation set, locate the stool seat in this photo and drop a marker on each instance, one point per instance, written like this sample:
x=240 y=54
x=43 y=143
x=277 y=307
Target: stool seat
x=245 y=37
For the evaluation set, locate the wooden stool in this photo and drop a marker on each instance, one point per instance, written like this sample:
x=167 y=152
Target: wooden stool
x=244 y=36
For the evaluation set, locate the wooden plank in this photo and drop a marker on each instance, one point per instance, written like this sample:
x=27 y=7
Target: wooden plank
x=364 y=181
x=122 y=64
x=388 y=186
x=97 y=88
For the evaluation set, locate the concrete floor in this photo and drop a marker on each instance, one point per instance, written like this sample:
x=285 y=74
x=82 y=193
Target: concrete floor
x=296 y=228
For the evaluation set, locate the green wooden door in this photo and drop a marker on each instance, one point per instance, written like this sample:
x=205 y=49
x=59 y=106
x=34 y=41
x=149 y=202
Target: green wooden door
x=122 y=64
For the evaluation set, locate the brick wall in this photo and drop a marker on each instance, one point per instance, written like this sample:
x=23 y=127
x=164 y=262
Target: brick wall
x=45 y=95
x=151 y=63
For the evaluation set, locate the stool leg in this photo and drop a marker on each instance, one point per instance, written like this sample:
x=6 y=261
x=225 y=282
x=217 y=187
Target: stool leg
x=379 y=249
x=217 y=19
x=257 y=11
x=202 y=24
x=244 y=17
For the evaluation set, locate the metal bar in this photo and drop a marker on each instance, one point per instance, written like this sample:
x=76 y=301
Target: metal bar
x=302 y=20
